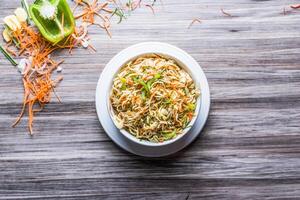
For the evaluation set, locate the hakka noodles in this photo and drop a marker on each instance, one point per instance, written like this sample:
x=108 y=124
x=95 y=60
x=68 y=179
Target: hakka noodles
x=153 y=98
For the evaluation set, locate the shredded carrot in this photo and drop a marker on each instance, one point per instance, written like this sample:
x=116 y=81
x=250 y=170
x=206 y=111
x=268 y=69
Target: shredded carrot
x=37 y=81
x=90 y=10
x=136 y=4
x=295 y=6
x=132 y=5
x=93 y=48
x=190 y=115
x=193 y=21
x=29 y=43
x=77 y=3
x=10 y=51
x=226 y=13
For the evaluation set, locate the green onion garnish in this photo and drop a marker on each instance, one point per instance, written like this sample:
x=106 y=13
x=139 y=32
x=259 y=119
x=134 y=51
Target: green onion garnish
x=26 y=8
x=168 y=135
x=191 y=106
x=147 y=89
x=8 y=56
x=119 y=12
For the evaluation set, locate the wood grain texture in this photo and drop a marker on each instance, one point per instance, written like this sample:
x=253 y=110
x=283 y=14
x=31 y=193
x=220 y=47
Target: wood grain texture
x=249 y=148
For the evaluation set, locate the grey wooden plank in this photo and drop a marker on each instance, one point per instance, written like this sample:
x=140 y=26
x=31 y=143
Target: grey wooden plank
x=249 y=148
x=121 y=188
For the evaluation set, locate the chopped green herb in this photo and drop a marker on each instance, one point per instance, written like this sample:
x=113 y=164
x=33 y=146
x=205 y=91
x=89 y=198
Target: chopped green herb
x=157 y=76
x=168 y=135
x=147 y=89
x=151 y=81
x=143 y=95
x=123 y=80
x=120 y=13
x=191 y=106
x=123 y=87
x=135 y=79
x=167 y=101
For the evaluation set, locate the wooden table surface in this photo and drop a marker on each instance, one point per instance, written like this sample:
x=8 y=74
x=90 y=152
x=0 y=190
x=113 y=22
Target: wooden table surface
x=249 y=149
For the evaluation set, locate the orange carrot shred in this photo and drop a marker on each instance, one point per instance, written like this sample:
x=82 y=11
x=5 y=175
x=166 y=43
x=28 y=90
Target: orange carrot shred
x=295 y=6
x=193 y=21
x=37 y=81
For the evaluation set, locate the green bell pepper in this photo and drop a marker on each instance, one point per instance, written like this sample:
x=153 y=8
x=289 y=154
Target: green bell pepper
x=53 y=18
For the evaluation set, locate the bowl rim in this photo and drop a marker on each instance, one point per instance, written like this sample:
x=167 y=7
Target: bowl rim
x=182 y=59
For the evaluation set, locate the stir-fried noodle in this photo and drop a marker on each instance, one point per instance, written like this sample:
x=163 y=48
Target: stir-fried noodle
x=153 y=98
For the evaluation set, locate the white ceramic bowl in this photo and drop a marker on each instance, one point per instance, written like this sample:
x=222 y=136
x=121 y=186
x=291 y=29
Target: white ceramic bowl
x=184 y=60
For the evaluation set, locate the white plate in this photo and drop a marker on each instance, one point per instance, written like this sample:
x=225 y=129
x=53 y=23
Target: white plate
x=103 y=90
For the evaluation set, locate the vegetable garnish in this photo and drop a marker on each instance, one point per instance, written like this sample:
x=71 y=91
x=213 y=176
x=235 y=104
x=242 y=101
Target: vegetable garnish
x=91 y=10
x=8 y=56
x=119 y=12
x=295 y=6
x=36 y=66
x=225 y=13
x=37 y=90
x=36 y=69
x=132 y=5
x=54 y=19
x=193 y=21
x=153 y=98
x=26 y=8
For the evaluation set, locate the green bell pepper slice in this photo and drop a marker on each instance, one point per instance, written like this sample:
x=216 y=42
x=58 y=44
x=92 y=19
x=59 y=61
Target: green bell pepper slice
x=53 y=18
